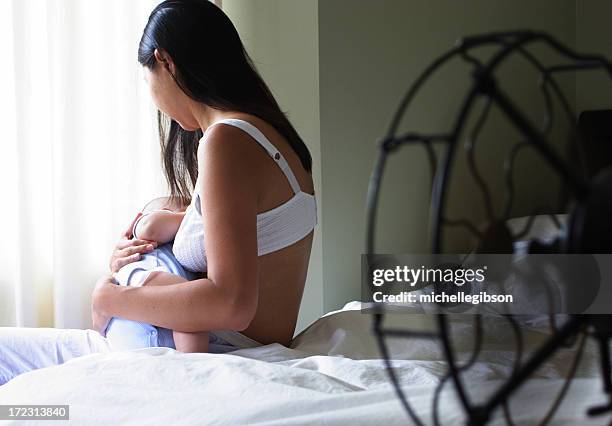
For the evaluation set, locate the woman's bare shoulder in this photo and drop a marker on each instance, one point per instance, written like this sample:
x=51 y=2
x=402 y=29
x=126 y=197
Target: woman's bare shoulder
x=227 y=142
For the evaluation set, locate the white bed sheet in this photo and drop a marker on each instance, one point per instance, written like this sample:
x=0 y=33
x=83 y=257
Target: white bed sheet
x=331 y=375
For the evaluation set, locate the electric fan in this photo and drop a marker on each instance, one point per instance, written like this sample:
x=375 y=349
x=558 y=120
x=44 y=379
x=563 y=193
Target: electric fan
x=588 y=228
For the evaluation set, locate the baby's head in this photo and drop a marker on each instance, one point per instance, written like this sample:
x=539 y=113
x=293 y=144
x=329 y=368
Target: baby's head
x=164 y=203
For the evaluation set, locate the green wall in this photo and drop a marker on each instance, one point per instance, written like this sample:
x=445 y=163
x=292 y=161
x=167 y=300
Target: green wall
x=593 y=35
x=369 y=53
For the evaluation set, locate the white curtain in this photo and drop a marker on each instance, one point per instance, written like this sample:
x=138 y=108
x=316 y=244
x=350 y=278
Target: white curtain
x=79 y=153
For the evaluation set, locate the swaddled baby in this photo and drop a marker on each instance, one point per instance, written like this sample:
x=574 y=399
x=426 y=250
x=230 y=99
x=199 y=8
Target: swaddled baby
x=160 y=226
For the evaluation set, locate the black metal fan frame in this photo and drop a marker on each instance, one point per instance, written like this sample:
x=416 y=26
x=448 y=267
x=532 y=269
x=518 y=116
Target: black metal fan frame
x=485 y=85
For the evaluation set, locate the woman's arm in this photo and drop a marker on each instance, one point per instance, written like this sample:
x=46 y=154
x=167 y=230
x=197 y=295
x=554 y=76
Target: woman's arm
x=227 y=299
x=189 y=306
x=160 y=226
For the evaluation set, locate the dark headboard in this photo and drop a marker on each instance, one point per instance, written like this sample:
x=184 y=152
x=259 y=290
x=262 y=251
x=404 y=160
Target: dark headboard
x=595 y=140
x=593 y=151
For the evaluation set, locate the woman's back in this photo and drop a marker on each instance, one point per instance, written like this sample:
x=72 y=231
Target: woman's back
x=285 y=221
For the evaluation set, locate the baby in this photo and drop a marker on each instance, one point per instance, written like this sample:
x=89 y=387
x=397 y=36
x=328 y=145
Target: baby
x=159 y=225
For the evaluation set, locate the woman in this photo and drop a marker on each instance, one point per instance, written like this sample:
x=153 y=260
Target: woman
x=253 y=207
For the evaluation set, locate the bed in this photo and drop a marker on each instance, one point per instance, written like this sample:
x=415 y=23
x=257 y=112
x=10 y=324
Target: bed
x=332 y=374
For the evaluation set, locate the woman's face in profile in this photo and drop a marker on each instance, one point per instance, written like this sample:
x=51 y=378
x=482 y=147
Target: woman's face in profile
x=167 y=95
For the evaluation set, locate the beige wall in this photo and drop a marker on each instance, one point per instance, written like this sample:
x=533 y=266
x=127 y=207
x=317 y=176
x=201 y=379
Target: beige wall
x=281 y=37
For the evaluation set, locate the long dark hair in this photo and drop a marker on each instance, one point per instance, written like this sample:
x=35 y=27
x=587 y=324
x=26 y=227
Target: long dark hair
x=214 y=68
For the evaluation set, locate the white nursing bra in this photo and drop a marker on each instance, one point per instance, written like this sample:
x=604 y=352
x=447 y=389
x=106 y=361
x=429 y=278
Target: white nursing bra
x=276 y=228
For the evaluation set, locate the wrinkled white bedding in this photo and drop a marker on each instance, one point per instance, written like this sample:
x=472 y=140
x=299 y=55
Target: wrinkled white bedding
x=332 y=375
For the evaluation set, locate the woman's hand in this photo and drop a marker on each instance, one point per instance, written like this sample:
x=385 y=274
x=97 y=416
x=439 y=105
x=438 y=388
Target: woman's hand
x=99 y=319
x=128 y=250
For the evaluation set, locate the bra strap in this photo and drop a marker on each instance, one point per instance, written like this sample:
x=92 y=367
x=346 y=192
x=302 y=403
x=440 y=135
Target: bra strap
x=256 y=134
